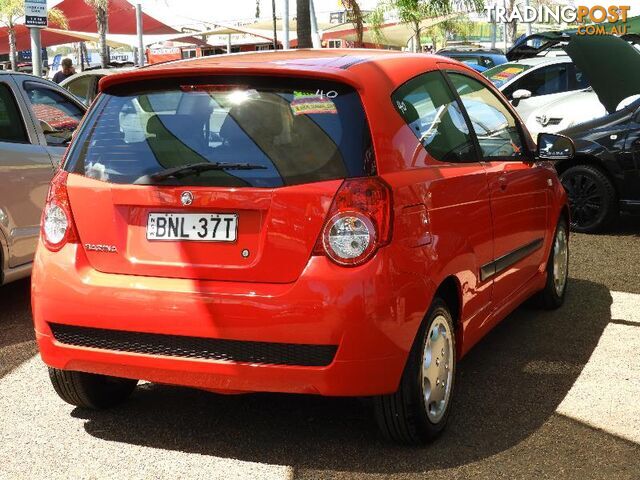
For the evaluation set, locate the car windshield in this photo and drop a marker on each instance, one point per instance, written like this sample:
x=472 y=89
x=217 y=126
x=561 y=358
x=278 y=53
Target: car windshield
x=504 y=73
x=297 y=132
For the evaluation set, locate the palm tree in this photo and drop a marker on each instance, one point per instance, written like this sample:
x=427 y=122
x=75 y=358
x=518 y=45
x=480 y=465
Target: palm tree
x=275 y=30
x=101 y=9
x=303 y=22
x=413 y=12
x=11 y=11
x=354 y=15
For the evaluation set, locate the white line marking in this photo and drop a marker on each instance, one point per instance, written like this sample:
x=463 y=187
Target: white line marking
x=606 y=393
x=625 y=306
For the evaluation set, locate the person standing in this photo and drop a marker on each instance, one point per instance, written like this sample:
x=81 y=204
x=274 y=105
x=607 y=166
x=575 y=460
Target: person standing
x=66 y=72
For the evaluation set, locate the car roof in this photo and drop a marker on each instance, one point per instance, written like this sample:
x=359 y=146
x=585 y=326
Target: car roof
x=463 y=51
x=338 y=64
x=94 y=72
x=23 y=74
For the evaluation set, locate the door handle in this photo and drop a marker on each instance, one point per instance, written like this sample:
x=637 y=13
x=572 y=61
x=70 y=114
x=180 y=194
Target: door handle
x=503 y=182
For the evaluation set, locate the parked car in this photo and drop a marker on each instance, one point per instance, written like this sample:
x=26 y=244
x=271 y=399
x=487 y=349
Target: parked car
x=565 y=112
x=37 y=119
x=84 y=85
x=258 y=231
x=531 y=84
x=480 y=59
x=604 y=177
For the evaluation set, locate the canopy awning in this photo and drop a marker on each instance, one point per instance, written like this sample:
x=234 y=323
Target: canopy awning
x=122 y=18
x=121 y=40
x=394 y=34
x=82 y=22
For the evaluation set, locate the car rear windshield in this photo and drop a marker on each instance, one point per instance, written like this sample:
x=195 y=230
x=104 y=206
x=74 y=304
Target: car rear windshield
x=503 y=73
x=281 y=131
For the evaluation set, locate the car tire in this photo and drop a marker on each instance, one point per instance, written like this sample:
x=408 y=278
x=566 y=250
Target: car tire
x=555 y=289
x=88 y=390
x=592 y=198
x=413 y=415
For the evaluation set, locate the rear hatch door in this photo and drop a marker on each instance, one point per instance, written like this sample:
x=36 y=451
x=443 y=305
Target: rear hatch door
x=228 y=179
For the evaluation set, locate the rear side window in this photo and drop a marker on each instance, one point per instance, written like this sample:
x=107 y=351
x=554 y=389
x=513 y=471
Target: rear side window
x=57 y=115
x=11 y=126
x=429 y=108
x=287 y=132
x=495 y=127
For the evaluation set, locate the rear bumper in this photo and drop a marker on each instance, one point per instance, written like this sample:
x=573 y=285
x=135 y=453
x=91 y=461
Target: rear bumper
x=363 y=312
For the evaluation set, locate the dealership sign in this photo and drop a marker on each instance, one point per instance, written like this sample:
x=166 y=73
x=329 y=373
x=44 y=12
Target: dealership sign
x=35 y=13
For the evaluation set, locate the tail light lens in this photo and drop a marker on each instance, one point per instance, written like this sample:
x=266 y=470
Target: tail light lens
x=58 y=228
x=359 y=222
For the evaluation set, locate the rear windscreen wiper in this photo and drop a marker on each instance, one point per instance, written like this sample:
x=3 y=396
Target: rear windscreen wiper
x=184 y=170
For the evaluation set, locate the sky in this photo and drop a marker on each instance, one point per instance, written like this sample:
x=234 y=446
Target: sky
x=179 y=13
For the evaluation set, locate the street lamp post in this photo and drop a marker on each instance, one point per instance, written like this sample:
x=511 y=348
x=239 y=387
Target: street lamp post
x=315 y=36
x=140 y=35
x=285 y=25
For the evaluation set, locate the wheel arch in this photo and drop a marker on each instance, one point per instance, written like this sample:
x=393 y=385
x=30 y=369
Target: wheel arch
x=4 y=256
x=587 y=159
x=450 y=292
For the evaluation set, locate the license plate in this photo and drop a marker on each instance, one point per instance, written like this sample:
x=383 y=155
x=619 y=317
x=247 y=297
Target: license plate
x=202 y=227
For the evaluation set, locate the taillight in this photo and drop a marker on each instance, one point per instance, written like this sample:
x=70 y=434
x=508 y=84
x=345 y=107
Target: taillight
x=359 y=222
x=57 y=222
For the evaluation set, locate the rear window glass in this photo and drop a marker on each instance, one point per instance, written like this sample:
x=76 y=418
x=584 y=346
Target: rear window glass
x=502 y=74
x=286 y=132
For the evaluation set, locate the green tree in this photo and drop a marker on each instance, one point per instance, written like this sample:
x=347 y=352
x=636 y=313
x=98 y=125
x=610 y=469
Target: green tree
x=510 y=6
x=101 y=9
x=11 y=11
x=440 y=33
x=413 y=12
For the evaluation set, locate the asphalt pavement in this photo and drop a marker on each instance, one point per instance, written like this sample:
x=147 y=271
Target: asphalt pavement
x=545 y=395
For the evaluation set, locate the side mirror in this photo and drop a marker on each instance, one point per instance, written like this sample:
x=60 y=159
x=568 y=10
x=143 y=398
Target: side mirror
x=555 y=147
x=46 y=128
x=520 y=94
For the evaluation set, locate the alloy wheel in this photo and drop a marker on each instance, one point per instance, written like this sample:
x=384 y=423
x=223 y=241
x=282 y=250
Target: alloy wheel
x=586 y=199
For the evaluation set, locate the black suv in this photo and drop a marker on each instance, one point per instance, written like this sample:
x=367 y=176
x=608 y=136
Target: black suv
x=604 y=176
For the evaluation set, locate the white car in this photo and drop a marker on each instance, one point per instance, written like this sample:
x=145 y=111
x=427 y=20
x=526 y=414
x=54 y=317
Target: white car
x=533 y=83
x=567 y=111
x=84 y=85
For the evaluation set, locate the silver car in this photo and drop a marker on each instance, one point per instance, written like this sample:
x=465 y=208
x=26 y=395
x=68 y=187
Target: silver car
x=84 y=85
x=37 y=119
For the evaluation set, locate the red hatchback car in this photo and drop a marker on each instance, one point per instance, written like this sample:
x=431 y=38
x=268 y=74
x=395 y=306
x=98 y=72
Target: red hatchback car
x=334 y=222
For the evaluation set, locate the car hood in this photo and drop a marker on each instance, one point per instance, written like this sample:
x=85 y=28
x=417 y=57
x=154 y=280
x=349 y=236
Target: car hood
x=611 y=65
x=584 y=102
x=587 y=128
x=532 y=45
